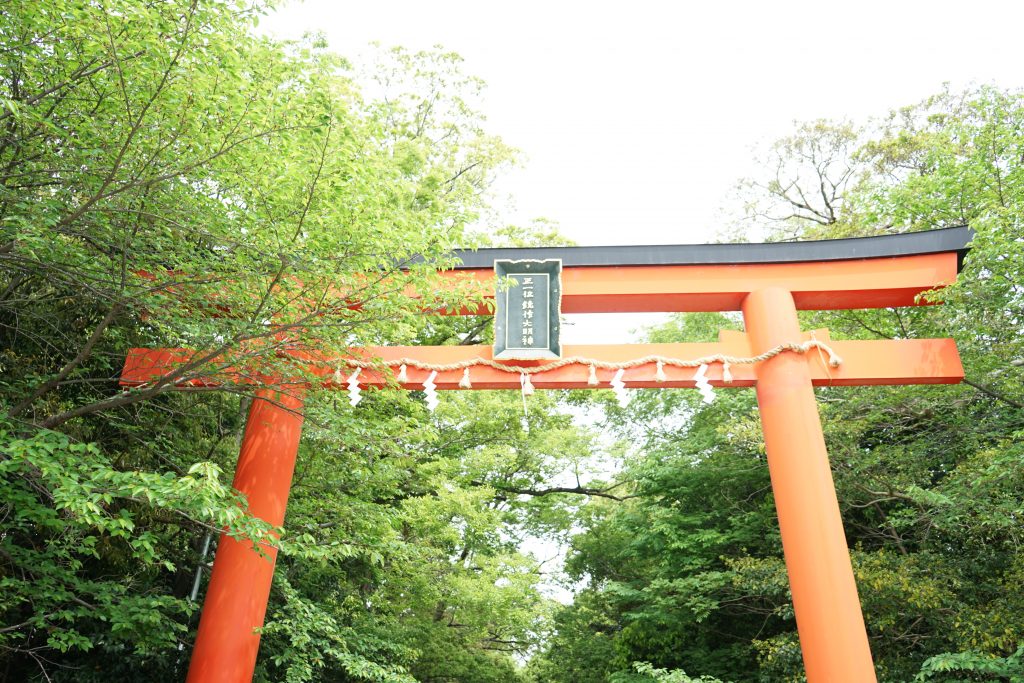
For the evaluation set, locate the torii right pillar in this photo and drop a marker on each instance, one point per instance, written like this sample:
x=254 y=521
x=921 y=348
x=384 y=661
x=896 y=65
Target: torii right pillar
x=833 y=638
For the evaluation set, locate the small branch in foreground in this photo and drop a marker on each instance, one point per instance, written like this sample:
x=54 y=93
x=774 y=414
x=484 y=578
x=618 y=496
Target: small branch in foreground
x=577 y=490
x=989 y=391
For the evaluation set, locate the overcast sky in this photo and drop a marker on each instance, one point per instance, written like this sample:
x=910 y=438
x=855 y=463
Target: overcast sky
x=637 y=119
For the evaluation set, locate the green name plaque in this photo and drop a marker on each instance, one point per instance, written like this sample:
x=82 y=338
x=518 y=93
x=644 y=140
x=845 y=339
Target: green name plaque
x=527 y=313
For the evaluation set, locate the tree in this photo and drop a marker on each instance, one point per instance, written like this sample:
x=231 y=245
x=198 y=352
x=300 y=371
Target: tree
x=168 y=179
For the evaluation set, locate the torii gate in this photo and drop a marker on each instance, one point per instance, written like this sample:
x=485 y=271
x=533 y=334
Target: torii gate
x=769 y=283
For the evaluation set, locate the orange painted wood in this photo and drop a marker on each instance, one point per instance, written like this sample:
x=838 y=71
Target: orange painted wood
x=905 y=361
x=833 y=639
x=236 y=600
x=816 y=285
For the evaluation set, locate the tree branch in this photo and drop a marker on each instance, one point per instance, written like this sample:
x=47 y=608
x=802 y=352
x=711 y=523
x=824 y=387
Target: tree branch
x=999 y=396
x=74 y=363
x=578 y=490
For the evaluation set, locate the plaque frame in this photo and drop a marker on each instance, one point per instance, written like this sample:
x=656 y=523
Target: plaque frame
x=503 y=269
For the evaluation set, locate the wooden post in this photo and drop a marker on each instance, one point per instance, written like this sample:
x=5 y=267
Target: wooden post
x=833 y=639
x=236 y=599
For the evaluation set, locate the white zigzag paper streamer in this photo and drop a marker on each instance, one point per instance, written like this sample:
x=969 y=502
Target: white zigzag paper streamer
x=706 y=392
x=353 y=388
x=619 y=387
x=430 y=389
x=354 y=396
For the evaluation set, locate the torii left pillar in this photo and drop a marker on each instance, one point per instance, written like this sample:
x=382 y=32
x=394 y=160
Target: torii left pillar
x=236 y=599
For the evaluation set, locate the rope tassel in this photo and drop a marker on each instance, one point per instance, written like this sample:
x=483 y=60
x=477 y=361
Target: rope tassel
x=464 y=383
x=592 y=379
x=659 y=376
x=833 y=358
x=524 y=381
x=403 y=375
x=726 y=375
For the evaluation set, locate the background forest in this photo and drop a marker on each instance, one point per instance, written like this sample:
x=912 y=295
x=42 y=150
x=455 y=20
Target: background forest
x=160 y=166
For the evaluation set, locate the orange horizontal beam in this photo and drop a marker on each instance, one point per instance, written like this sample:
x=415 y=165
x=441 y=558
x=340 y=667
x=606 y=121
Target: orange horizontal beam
x=905 y=361
x=816 y=285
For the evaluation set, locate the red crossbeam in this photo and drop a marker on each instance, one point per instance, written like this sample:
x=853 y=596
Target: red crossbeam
x=815 y=285
x=905 y=361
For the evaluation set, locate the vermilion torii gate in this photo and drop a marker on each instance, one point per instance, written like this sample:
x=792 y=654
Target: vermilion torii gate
x=769 y=283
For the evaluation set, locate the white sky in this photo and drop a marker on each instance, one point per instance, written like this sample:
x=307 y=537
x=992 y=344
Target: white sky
x=637 y=119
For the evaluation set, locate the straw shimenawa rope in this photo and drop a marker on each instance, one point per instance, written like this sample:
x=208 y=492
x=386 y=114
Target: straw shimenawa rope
x=833 y=359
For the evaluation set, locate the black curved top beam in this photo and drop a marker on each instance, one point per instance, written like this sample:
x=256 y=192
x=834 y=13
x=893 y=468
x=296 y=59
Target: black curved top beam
x=905 y=244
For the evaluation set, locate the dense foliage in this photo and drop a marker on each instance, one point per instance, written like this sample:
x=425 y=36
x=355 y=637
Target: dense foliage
x=168 y=179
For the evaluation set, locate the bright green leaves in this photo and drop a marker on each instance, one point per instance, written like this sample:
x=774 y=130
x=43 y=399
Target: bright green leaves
x=168 y=179
x=649 y=673
x=226 y=190
x=972 y=666
x=403 y=534
x=69 y=494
